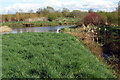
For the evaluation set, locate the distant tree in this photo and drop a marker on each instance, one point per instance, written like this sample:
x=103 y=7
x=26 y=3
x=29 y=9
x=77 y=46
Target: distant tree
x=52 y=16
x=32 y=15
x=58 y=13
x=50 y=9
x=45 y=12
x=65 y=12
x=31 y=11
x=20 y=11
x=39 y=10
x=90 y=10
x=75 y=13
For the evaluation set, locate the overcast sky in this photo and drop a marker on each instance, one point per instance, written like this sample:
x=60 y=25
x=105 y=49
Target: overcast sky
x=11 y=6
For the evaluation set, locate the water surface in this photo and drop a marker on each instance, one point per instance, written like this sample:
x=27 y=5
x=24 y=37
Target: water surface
x=37 y=29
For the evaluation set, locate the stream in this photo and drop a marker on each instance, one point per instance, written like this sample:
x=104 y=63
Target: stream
x=37 y=29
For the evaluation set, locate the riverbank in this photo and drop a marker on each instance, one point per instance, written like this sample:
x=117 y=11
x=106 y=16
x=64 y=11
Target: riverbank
x=61 y=22
x=102 y=42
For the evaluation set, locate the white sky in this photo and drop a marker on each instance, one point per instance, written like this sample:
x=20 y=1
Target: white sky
x=11 y=6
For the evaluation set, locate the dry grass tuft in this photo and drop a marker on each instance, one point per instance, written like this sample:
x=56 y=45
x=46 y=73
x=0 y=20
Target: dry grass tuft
x=5 y=29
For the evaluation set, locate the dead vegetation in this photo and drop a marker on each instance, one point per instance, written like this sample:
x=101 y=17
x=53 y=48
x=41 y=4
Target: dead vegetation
x=5 y=29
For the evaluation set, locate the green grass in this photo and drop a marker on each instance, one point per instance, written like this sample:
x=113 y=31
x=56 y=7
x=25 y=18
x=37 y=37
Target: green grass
x=49 y=55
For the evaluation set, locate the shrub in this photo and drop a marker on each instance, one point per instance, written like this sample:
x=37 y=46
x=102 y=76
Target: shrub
x=92 y=18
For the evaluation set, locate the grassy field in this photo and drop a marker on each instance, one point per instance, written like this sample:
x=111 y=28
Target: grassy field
x=49 y=55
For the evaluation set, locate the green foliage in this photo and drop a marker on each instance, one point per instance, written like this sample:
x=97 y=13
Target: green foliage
x=109 y=17
x=109 y=34
x=75 y=13
x=52 y=16
x=112 y=18
x=50 y=9
x=65 y=12
x=49 y=55
x=90 y=10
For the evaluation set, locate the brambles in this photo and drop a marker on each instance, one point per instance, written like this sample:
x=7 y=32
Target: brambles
x=92 y=18
x=49 y=55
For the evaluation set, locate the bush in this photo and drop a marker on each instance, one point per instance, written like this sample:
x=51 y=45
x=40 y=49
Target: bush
x=92 y=18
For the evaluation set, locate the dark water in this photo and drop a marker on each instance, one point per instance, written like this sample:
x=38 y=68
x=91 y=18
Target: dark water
x=37 y=29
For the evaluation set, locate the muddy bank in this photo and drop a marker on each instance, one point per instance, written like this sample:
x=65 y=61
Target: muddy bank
x=104 y=43
x=88 y=40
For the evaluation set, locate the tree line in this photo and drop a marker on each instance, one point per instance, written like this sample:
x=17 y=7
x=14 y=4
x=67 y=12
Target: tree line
x=51 y=14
